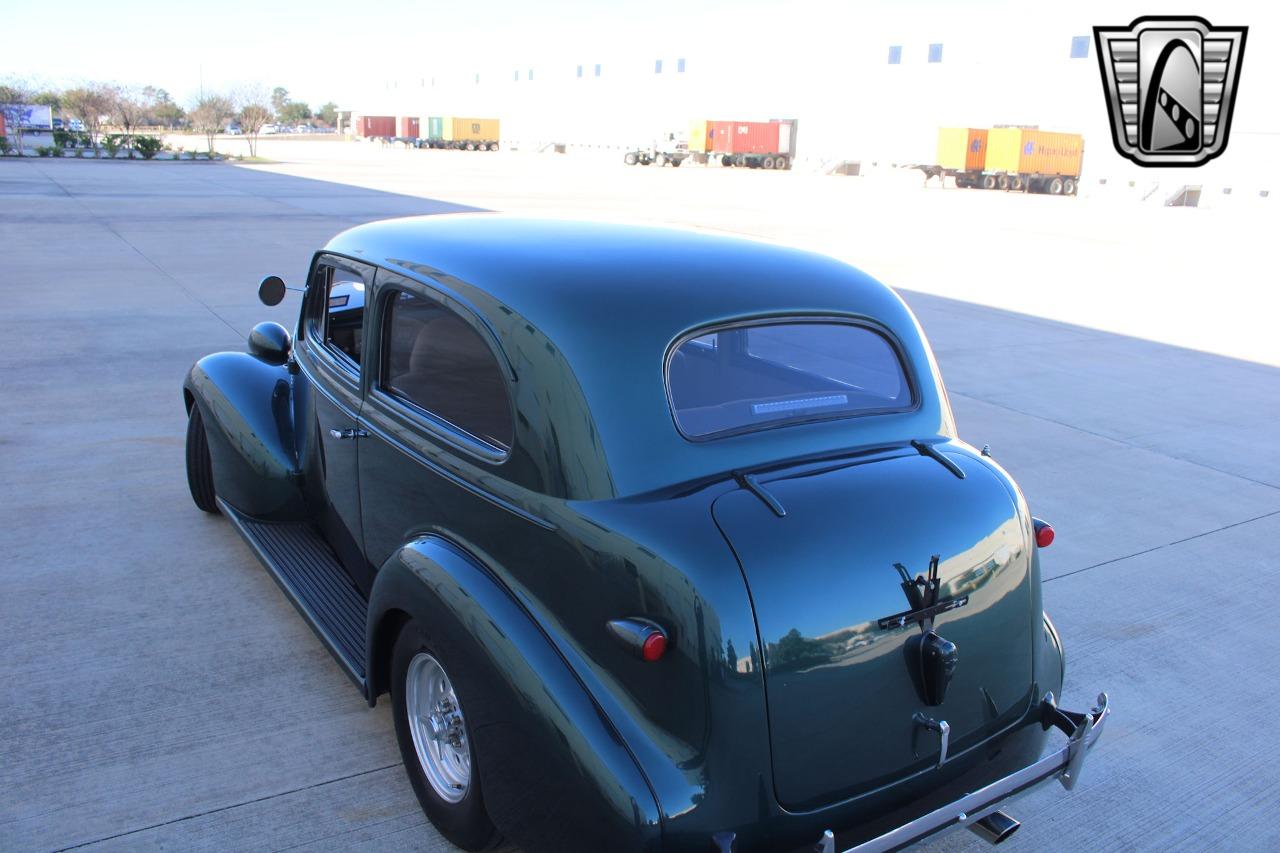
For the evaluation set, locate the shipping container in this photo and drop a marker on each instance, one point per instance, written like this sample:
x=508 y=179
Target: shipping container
x=699 y=141
x=373 y=126
x=718 y=134
x=407 y=127
x=962 y=148
x=435 y=127
x=1013 y=150
x=757 y=144
x=474 y=132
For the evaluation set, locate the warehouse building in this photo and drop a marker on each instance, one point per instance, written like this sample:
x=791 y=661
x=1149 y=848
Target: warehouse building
x=868 y=81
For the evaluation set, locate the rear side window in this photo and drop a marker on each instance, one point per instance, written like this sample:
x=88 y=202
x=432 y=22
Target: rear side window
x=436 y=361
x=751 y=377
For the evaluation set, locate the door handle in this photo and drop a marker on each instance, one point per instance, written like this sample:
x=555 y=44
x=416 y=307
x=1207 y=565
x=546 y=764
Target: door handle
x=348 y=433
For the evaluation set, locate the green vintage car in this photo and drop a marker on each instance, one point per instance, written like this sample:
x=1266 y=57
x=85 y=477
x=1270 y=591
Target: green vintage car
x=658 y=540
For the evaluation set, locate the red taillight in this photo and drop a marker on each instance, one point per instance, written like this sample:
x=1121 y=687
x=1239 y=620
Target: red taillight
x=655 y=646
x=642 y=637
x=1044 y=532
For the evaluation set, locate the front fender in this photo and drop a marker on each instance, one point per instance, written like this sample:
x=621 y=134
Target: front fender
x=246 y=404
x=554 y=771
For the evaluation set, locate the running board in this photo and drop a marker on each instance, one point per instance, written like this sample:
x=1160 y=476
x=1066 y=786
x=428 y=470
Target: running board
x=308 y=571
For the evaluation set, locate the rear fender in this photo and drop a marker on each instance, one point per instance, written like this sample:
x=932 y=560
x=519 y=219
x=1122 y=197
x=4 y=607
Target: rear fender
x=247 y=407
x=555 y=773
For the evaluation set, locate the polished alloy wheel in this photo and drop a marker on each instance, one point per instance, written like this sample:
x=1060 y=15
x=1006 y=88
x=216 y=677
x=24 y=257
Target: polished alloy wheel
x=439 y=735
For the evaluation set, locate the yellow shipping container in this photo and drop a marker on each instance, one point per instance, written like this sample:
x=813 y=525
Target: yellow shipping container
x=698 y=137
x=475 y=129
x=962 y=148
x=1038 y=152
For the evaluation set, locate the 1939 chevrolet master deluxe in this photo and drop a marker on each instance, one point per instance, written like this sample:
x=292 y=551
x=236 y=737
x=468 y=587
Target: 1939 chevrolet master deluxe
x=657 y=539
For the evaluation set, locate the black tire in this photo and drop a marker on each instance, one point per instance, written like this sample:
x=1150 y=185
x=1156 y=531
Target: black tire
x=1068 y=186
x=1055 y=186
x=199 y=465
x=1015 y=183
x=726 y=160
x=466 y=823
x=988 y=182
x=630 y=158
x=781 y=162
x=675 y=162
x=767 y=163
x=1002 y=182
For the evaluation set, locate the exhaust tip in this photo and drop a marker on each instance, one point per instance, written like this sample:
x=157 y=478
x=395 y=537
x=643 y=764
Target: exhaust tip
x=995 y=827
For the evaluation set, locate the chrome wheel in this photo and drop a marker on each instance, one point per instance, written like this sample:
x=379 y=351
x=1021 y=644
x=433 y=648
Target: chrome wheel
x=439 y=735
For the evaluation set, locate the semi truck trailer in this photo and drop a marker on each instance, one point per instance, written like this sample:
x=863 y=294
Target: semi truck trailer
x=1012 y=158
x=753 y=144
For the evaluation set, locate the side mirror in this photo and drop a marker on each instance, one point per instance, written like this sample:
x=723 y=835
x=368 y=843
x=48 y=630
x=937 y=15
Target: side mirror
x=271 y=290
x=270 y=342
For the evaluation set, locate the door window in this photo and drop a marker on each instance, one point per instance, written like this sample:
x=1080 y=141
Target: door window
x=439 y=363
x=339 y=323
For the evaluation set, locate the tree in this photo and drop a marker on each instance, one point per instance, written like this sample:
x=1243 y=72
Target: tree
x=295 y=112
x=161 y=110
x=210 y=115
x=328 y=114
x=279 y=97
x=91 y=104
x=14 y=97
x=253 y=116
x=129 y=111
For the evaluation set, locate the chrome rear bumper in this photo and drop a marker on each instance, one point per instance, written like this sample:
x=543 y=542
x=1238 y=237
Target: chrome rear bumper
x=1082 y=730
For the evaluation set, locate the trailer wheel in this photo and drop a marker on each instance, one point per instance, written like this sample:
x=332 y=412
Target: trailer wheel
x=1055 y=186
x=1068 y=186
x=630 y=158
x=767 y=163
x=726 y=160
x=493 y=146
x=1002 y=182
x=1015 y=183
x=781 y=162
x=988 y=182
x=675 y=162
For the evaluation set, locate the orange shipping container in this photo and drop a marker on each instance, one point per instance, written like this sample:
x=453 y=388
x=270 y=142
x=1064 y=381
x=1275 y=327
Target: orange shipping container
x=1037 y=152
x=962 y=148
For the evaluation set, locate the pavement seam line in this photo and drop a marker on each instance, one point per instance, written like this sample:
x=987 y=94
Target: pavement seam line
x=123 y=239
x=1114 y=440
x=227 y=808
x=1165 y=545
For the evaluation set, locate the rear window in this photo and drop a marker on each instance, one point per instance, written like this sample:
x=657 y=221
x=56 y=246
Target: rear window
x=750 y=377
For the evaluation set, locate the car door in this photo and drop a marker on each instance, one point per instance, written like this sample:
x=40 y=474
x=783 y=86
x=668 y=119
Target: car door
x=438 y=411
x=331 y=354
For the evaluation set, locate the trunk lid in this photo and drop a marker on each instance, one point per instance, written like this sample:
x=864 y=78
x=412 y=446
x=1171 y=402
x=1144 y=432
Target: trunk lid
x=841 y=691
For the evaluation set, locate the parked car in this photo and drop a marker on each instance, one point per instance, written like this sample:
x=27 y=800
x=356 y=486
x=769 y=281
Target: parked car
x=233 y=130
x=656 y=539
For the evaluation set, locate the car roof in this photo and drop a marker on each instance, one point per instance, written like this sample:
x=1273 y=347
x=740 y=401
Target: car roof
x=612 y=298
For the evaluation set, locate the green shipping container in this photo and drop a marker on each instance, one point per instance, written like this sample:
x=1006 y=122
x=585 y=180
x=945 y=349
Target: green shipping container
x=435 y=127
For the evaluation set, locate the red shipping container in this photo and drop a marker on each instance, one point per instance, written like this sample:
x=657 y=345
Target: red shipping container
x=408 y=127
x=719 y=136
x=754 y=137
x=377 y=126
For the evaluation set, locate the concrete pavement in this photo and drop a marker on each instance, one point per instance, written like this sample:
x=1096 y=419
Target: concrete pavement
x=159 y=692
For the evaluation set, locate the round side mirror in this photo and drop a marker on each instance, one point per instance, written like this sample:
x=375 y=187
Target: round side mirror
x=270 y=342
x=271 y=291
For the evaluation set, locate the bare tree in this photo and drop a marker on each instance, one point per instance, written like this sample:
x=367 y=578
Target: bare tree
x=14 y=97
x=92 y=104
x=128 y=111
x=252 y=117
x=210 y=115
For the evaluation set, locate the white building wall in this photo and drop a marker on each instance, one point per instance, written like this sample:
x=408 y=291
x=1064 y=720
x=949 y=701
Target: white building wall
x=826 y=64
